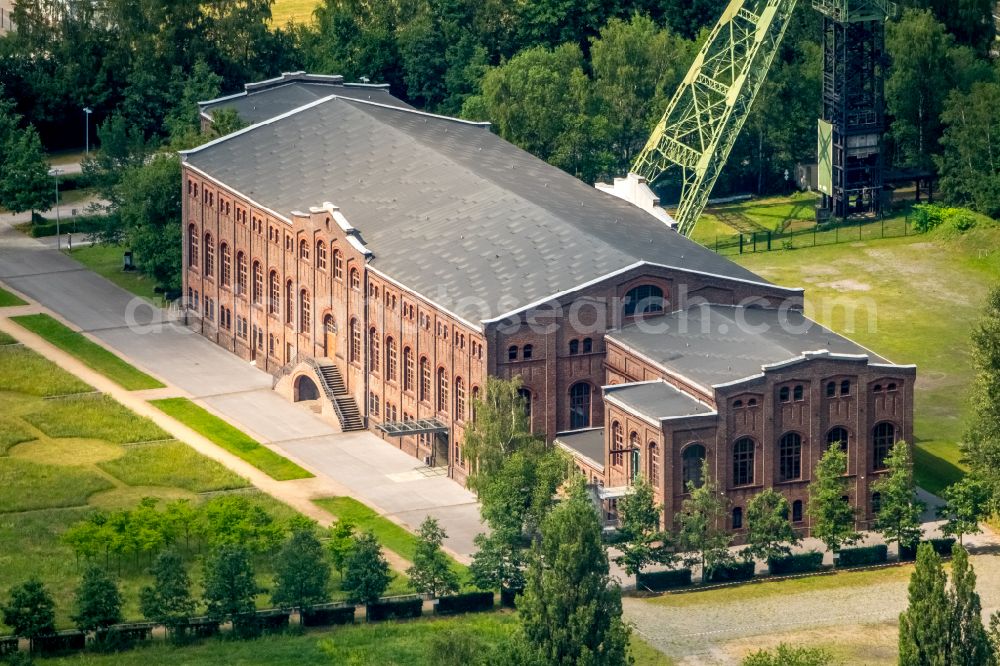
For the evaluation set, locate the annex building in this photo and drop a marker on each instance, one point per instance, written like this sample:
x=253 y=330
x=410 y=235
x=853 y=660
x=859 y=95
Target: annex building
x=381 y=262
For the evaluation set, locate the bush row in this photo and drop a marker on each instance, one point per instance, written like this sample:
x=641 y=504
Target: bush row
x=658 y=581
x=43 y=227
x=394 y=609
x=732 y=571
x=469 y=602
x=941 y=547
x=859 y=557
x=792 y=564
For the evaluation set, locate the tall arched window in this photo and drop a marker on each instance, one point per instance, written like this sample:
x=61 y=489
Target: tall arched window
x=653 y=456
x=790 y=457
x=797 y=511
x=838 y=436
x=305 y=314
x=633 y=446
x=408 y=369
x=527 y=351
x=227 y=265
x=579 y=406
x=289 y=302
x=373 y=350
x=241 y=273
x=691 y=464
x=442 y=384
x=743 y=451
x=355 y=279
x=338 y=265
x=883 y=437
x=390 y=359
x=737 y=518
x=192 y=246
x=274 y=293
x=617 y=444
x=588 y=345
x=355 y=341
x=459 y=399
x=425 y=379
x=512 y=353
x=643 y=299
x=258 y=283
x=574 y=347
x=303 y=249
x=525 y=394
x=321 y=255
x=209 y=256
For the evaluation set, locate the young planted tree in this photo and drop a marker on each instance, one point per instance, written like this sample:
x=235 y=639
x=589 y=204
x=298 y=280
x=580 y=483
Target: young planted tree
x=499 y=561
x=701 y=525
x=832 y=516
x=966 y=504
x=30 y=611
x=24 y=180
x=925 y=626
x=98 y=601
x=431 y=572
x=367 y=576
x=302 y=576
x=642 y=541
x=340 y=544
x=229 y=583
x=981 y=445
x=970 y=644
x=769 y=531
x=500 y=428
x=898 y=519
x=168 y=600
x=570 y=611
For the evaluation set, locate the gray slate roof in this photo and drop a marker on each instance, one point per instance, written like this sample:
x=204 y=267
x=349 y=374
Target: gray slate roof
x=588 y=443
x=448 y=208
x=267 y=99
x=656 y=400
x=717 y=344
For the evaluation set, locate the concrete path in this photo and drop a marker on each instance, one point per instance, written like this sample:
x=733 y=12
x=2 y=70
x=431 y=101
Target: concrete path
x=361 y=465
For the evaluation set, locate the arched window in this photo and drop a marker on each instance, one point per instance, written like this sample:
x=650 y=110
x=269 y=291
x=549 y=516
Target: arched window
x=691 y=463
x=373 y=350
x=574 y=347
x=579 y=406
x=743 y=451
x=891 y=387
x=425 y=379
x=289 y=302
x=355 y=341
x=797 y=511
x=783 y=394
x=526 y=398
x=209 y=256
x=588 y=345
x=442 y=383
x=831 y=389
x=790 y=457
x=512 y=353
x=241 y=273
x=355 y=279
x=192 y=246
x=305 y=314
x=653 y=456
x=303 y=249
x=526 y=352
x=845 y=387
x=475 y=399
x=883 y=437
x=737 y=518
x=338 y=265
x=459 y=399
x=798 y=393
x=321 y=255
x=752 y=402
x=408 y=369
x=838 y=436
x=633 y=446
x=876 y=502
x=274 y=296
x=227 y=265
x=258 y=283
x=617 y=444
x=643 y=299
x=390 y=359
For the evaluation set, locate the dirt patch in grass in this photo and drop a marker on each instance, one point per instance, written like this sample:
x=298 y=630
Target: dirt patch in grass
x=870 y=644
x=70 y=451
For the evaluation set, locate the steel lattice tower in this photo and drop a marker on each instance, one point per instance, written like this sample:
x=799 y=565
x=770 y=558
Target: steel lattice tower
x=853 y=123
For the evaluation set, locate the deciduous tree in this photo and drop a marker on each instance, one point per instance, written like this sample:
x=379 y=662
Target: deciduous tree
x=769 y=531
x=367 y=576
x=302 y=574
x=701 y=525
x=898 y=519
x=499 y=428
x=168 y=600
x=643 y=542
x=98 y=601
x=24 y=180
x=30 y=610
x=230 y=586
x=966 y=504
x=340 y=544
x=431 y=572
x=981 y=445
x=832 y=516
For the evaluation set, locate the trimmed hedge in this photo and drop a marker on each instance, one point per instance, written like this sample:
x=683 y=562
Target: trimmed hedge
x=64 y=641
x=658 y=581
x=81 y=224
x=8 y=645
x=798 y=563
x=252 y=625
x=859 y=557
x=326 y=615
x=941 y=546
x=394 y=610
x=470 y=602
x=508 y=597
x=199 y=627
x=734 y=571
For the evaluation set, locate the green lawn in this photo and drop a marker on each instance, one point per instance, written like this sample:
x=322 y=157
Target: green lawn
x=94 y=417
x=107 y=261
x=24 y=371
x=7 y=339
x=48 y=486
x=13 y=432
x=913 y=300
x=90 y=353
x=231 y=439
x=8 y=299
x=171 y=464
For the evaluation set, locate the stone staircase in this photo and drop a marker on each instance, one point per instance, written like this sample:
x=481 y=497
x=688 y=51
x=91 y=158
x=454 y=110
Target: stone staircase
x=336 y=391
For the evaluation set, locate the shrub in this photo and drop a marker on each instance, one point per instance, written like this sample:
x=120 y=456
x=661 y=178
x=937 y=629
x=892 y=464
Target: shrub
x=799 y=563
x=327 y=614
x=858 y=557
x=657 y=581
x=732 y=571
x=65 y=641
x=508 y=597
x=393 y=610
x=941 y=546
x=71 y=225
x=469 y=602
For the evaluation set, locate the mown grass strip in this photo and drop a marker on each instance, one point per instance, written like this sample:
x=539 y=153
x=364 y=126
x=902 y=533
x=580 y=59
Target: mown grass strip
x=8 y=299
x=91 y=354
x=231 y=439
x=7 y=339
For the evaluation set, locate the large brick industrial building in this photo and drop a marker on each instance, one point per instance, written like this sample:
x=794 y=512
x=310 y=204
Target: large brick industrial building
x=382 y=262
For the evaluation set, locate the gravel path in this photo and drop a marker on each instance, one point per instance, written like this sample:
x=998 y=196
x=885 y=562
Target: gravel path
x=695 y=634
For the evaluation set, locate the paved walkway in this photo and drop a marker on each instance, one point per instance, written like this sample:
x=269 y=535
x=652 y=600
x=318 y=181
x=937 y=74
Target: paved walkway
x=360 y=465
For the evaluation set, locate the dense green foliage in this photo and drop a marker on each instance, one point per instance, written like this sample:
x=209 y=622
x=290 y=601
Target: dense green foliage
x=30 y=610
x=769 y=530
x=24 y=181
x=967 y=502
x=702 y=533
x=98 y=601
x=788 y=655
x=168 y=600
x=367 y=575
x=431 y=572
x=302 y=573
x=832 y=517
x=642 y=541
x=981 y=445
x=229 y=583
x=898 y=519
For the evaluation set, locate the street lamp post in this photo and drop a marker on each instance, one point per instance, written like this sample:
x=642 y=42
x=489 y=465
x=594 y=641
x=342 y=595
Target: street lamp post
x=55 y=173
x=86 y=119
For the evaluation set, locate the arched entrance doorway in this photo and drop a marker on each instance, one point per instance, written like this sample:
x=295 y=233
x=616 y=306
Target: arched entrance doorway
x=329 y=336
x=305 y=389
